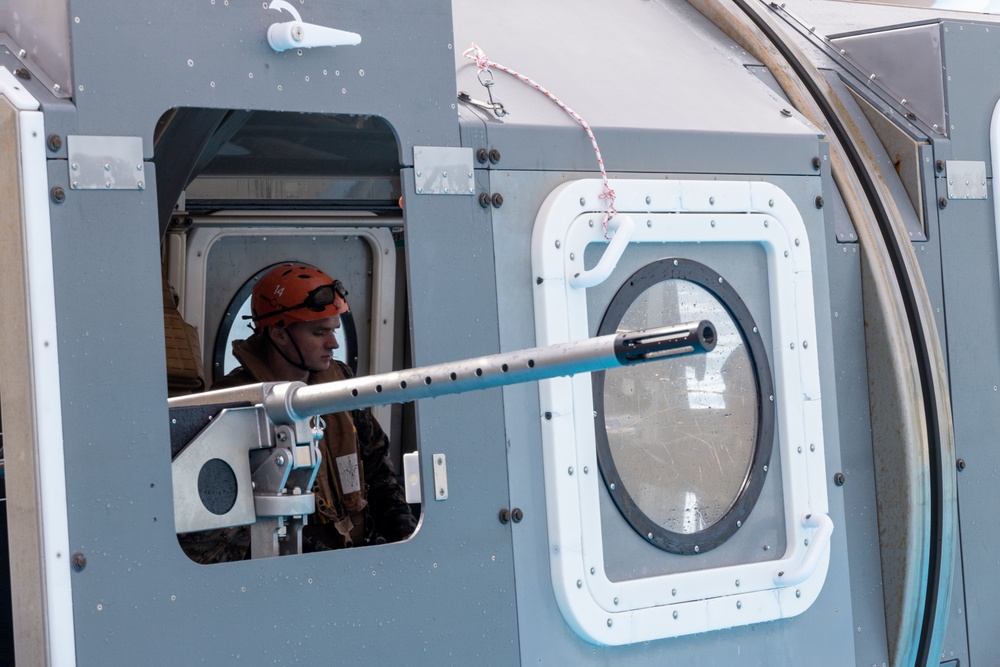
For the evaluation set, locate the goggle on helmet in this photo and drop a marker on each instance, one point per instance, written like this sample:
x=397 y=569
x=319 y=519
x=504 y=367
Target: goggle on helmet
x=291 y=293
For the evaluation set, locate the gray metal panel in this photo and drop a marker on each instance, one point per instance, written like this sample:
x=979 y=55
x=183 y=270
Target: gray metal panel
x=972 y=65
x=857 y=465
x=969 y=268
x=667 y=70
x=137 y=582
x=216 y=55
x=544 y=635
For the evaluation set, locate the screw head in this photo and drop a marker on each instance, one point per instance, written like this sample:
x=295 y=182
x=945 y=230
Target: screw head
x=504 y=515
x=497 y=200
x=54 y=142
x=516 y=515
x=942 y=202
x=79 y=561
x=819 y=202
x=482 y=155
x=817 y=163
x=58 y=195
x=494 y=155
x=839 y=479
x=960 y=464
x=484 y=200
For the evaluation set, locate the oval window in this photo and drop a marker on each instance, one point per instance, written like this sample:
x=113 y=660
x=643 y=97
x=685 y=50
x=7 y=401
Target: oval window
x=683 y=444
x=236 y=325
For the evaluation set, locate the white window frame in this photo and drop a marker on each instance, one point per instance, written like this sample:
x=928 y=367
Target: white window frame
x=622 y=612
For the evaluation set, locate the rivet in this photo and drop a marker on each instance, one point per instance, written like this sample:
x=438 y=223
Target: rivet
x=649 y=223
x=697 y=549
x=558 y=244
x=805 y=344
x=786 y=253
x=675 y=614
x=593 y=570
x=720 y=280
x=612 y=486
x=819 y=202
x=673 y=591
x=583 y=202
x=791 y=346
x=572 y=256
x=739 y=605
x=960 y=464
x=786 y=112
x=609 y=622
x=798 y=593
x=676 y=263
x=616 y=601
x=771 y=398
x=796 y=241
x=765 y=468
x=579 y=583
x=586 y=470
x=711 y=200
x=649 y=200
x=739 y=524
x=755 y=329
x=839 y=479
x=570 y=471
x=799 y=449
x=649 y=536
x=713 y=223
x=812 y=448
x=770 y=202
x=737 y=583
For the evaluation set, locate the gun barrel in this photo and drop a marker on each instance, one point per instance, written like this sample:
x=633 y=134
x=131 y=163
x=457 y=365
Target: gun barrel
x=594 y=354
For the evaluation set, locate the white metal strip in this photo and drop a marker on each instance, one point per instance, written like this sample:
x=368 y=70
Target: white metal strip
x=48 y=397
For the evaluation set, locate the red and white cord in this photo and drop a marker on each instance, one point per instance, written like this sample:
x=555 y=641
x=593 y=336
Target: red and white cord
x=483 y=63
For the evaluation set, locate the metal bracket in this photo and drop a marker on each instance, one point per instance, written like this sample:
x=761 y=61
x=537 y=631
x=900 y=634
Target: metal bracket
x=440 y=170
x=440 y=477
x=966 y=179
x=105 y=163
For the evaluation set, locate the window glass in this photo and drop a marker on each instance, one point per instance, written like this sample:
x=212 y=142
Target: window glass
x=681 y=432
x=683 y=444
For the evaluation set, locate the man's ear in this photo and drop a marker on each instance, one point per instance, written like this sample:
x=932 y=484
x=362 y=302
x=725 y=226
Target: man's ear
x=277 y=334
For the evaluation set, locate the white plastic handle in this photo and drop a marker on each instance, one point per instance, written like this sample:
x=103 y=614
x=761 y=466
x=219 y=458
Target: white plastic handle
x=298 y=35
x=623 y=227
x=817 y=546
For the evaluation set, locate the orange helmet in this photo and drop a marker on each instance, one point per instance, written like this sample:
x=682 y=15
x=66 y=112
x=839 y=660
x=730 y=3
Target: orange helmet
x=290 y=293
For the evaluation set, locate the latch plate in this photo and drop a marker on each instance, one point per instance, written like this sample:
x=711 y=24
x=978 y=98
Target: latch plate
x=105 y=163
x=440 y=170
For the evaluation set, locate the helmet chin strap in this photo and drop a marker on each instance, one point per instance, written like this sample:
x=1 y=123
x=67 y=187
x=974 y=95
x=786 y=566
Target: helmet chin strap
x=301 y=364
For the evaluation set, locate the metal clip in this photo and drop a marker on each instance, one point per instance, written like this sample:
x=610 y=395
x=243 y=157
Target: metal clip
x=494 y=105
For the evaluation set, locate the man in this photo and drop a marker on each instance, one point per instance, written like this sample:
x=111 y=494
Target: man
x=296 y=312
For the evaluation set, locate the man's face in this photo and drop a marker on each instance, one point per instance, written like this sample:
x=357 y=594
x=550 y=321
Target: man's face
x=316 y=341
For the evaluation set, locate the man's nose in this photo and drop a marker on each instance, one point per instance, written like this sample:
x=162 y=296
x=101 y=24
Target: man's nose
x=332 y=342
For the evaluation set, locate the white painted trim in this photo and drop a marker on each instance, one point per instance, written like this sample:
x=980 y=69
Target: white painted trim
x=47 y=399
x=622 y=612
